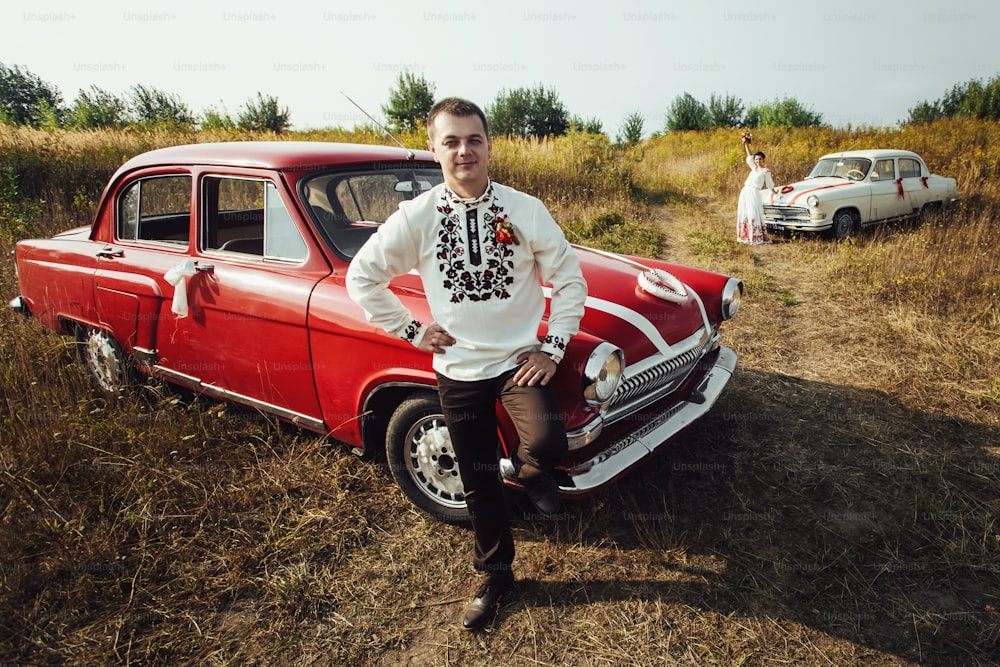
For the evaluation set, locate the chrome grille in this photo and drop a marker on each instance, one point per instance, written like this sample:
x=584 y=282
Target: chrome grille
x=648 y=381
x=786 y=213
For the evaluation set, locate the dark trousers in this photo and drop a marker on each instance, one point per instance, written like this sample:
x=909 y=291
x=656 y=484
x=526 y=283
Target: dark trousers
x=470 y=413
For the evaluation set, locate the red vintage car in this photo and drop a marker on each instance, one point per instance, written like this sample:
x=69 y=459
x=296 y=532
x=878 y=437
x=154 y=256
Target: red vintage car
x=220 y=267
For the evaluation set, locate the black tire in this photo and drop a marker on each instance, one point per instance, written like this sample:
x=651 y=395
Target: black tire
x=107 y=363
x=844 y=225
x=419 y=453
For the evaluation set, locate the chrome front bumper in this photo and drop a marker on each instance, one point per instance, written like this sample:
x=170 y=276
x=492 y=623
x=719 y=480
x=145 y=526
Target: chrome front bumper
x=798 y=226
x=629 y=450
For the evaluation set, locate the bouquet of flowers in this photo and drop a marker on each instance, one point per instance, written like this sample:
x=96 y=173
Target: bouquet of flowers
x=505 y=231
x=747 y=137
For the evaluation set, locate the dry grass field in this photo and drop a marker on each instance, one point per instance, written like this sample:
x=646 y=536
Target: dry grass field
x=838 y=507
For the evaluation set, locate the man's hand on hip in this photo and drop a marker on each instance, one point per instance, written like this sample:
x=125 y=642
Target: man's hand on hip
x=436 y=339
x=536 y=368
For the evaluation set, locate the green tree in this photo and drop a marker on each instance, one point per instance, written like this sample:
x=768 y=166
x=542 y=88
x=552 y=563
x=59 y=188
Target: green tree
x=786 y=112
x=925 y=112
x=151 y=106
x=972 y=99
x=263 y=115
x=687 y=113
x=525 y=112
x=216 y=120
x=631 y=129
x=97 y=108
x=508 y=114
x=409 y=102
x=725 y=111
x=590 y=125
x=27 y=100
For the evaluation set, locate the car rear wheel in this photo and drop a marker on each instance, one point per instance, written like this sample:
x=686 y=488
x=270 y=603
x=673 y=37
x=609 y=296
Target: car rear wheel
x=422 y=460
x=844 y=225
x=106 y=362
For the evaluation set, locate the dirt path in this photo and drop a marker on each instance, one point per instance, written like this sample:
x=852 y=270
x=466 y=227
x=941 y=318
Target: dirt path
x=792 y=321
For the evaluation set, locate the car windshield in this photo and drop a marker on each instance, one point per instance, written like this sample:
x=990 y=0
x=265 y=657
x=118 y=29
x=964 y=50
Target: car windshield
x=851 y=168
x=348 y=206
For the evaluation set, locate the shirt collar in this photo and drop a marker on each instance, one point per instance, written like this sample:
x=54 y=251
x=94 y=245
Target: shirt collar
x=470 y=202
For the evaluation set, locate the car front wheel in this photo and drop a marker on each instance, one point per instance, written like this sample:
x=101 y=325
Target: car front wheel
x=844 y=225
x=105 y=360
x=422 y=460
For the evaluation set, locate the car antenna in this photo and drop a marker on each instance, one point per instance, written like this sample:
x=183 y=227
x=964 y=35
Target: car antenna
x=409 y=153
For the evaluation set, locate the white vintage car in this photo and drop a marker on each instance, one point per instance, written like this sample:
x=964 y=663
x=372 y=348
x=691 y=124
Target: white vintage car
x=848 y=190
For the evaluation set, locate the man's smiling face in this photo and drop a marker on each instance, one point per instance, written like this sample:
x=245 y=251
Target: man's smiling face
x=460 y=144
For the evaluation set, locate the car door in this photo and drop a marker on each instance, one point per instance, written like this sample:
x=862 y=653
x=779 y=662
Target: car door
x=150 y=230
x=914 y=191
x=886 y=202
x=245 y=336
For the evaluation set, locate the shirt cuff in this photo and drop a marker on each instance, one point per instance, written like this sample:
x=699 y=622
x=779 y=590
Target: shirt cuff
x=413 y=332
x=555 y=344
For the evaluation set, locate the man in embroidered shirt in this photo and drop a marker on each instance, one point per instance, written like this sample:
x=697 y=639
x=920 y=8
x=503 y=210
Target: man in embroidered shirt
x=480 y=248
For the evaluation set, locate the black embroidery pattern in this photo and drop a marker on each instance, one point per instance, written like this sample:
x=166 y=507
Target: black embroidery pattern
x=557 y=342
x=410 y=333
x=482 y=283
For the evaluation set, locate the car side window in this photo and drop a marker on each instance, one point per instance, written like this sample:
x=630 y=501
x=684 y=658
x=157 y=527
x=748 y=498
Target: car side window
x=247 y=216
x=282 y=239
x=909 y=168
x=884 y=170
x=156 y=209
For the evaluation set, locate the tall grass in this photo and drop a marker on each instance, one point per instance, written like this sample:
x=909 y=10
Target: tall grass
x=945 y=268
x=168 y=529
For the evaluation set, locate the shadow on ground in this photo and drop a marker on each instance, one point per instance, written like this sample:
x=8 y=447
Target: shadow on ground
x=830 y=506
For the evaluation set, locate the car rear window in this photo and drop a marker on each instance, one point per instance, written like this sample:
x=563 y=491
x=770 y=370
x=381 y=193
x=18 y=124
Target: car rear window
x=157 y=209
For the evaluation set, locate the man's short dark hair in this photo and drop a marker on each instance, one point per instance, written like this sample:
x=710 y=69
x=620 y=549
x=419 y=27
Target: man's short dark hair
x=456 y=106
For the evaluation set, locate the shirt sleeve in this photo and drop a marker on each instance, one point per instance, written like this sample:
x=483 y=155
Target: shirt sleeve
x=391 y=251
x=768 y=179
x=751 y=163
x=559 y=266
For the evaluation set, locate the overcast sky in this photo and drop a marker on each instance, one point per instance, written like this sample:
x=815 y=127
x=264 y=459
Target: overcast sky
x=858 y=63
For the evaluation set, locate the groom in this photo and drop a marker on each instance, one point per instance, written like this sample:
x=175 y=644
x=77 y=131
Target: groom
x=480 y=249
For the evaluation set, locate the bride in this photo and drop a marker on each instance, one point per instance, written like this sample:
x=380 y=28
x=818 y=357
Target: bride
x=750 y=208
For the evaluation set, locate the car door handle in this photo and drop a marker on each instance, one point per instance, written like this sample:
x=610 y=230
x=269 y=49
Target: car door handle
x=108 y=251
x=204 y=268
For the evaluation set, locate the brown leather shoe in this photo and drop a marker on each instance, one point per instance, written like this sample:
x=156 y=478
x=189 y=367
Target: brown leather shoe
x=483 y=607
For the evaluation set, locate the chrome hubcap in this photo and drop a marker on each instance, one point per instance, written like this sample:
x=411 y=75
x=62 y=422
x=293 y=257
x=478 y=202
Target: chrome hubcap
x=102 y=359
x=430 y=461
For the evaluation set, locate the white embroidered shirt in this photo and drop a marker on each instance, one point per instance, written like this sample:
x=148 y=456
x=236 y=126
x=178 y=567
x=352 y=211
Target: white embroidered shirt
x=486 y=293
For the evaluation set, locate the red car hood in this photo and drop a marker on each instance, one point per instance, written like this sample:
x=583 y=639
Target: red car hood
x=621 y=312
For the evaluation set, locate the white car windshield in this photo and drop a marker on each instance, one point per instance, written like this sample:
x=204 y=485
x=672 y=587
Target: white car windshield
x=851 y=168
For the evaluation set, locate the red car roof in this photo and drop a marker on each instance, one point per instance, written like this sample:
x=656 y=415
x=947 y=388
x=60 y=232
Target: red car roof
x=274 y=154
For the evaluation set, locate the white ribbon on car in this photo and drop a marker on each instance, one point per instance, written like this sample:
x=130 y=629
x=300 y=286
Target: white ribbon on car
x=177 y=277
x=663 y=284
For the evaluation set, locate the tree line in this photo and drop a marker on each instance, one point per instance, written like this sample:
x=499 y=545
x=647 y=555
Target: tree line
x=972 y=99
x=538 y=112
x=26 y=99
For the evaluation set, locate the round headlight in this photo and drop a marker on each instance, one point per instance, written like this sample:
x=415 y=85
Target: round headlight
x=812 y=201
x=602 y=374
x=732 y=295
